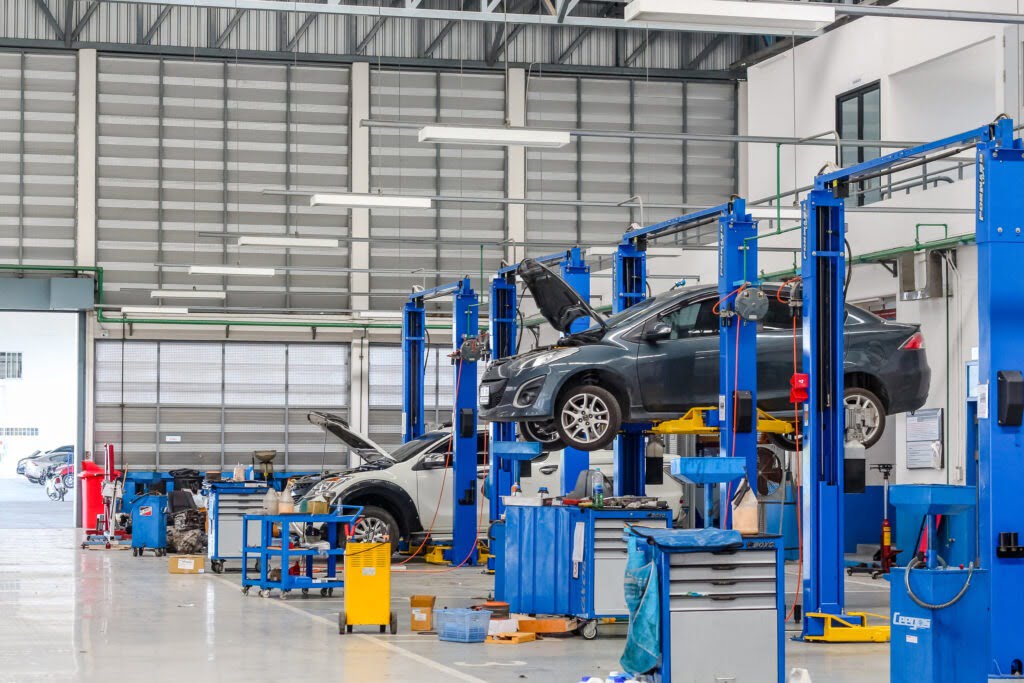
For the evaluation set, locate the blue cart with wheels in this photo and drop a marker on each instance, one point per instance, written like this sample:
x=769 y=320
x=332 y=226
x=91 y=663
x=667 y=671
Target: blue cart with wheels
x=277 y=550
x=149 y=524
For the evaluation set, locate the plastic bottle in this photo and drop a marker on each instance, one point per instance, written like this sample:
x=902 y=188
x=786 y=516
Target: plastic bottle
x=515 y=489
x=598 y=489
x=744 y=512
x=270 y=502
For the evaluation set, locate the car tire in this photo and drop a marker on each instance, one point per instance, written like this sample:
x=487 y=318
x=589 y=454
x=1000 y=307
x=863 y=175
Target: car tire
x=872 y=410
x=544 y=434
x=69 y=481
x=588 y=417
x=373 y=521
x=857 y=399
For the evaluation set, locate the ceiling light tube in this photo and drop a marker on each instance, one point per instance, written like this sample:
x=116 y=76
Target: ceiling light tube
x=187 y=294
x=468 y=135
x=801 y=18
x=260 y=241
x=771 y=213
x=230 y=270
x=150 y=310
x=370 y=201
x=380 y=314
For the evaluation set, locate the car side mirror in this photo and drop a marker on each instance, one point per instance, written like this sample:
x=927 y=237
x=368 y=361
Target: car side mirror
x=434 y=461
x=661 y=330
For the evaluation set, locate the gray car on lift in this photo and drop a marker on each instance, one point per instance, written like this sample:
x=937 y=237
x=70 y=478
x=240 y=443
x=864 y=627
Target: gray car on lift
x=659 y=358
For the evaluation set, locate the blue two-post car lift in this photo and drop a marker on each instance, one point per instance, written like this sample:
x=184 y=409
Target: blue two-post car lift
x=465 y=332
x=504 y=330
x=920 y=640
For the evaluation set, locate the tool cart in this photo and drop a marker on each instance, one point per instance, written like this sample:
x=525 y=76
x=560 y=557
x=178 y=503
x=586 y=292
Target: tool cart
x=284 y=567
x=230 y=502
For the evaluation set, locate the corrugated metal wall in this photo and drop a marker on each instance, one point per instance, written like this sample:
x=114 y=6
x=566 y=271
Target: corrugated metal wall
x=186 y=148
x=208 y=405
x=37 y=150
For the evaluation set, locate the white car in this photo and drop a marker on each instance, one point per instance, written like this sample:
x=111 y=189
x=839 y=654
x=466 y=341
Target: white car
x=404 y=493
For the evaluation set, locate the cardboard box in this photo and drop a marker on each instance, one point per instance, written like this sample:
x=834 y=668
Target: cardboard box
x=318 y=507
x=187 y=564
x=422 y=612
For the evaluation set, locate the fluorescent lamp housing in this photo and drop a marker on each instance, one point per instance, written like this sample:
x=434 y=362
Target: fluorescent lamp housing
x=370 y=201
x=770 y=212
x=380 y=314
x=798 y=18
x=468 y=135
x=310 y=242
x=188 y=294
x=151 y=310
x=230 y=270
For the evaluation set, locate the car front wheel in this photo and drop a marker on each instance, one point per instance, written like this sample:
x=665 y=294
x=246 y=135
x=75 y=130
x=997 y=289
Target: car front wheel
x=543 y=433
x=588 y=417
x=373 y=525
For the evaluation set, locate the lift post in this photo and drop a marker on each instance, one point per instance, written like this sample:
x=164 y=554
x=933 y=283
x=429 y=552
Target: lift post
x=504 y=329
x=465 y=326
x=823 y=272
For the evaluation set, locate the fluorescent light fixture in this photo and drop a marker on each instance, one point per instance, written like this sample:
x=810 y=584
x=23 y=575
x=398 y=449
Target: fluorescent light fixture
x=370 y=201
x=230 y=270
x=467 y=135
x=188 y=294
x=257 y=241
x=150 y=310
x=770 y=212
x=380 y=314
x=800 y=18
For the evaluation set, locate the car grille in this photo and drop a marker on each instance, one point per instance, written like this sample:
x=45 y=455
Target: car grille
x=495 y=391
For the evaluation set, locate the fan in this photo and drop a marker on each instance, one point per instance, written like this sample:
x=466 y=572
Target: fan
x=769 y=471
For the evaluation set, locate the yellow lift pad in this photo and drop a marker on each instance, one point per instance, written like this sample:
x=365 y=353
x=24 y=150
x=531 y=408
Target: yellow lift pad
x=695 y=422
x=851 y=627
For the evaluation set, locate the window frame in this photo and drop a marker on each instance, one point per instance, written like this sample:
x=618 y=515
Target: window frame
x=857 y=94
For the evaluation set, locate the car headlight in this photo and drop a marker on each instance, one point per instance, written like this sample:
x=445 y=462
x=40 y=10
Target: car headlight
x=546 y=357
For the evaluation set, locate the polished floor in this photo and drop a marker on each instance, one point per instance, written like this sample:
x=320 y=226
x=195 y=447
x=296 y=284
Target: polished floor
x=89 y=615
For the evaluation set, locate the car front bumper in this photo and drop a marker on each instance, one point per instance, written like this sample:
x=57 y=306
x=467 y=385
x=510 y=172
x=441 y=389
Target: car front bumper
x=501 y=396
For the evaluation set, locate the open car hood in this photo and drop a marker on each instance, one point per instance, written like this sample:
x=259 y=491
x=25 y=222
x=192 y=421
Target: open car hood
x=559 y=303
x=361 y=445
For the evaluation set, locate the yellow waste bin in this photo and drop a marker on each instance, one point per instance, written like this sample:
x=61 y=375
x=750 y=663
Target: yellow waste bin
x=367 y=588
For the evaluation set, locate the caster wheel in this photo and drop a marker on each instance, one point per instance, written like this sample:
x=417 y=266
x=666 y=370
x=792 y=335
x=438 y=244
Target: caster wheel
x=217 y=566
x=349 y=629
x=330 y=592
x=284 y=595
x=263 y=593
x=83 y=546
x=342 y=623
x=323 y=592
x=394 y=623
x=245 y=590
x=107 y=546
x=383 y=629
x=588 y=630
x=849 y=571
x=135 y=552
x=305 y=592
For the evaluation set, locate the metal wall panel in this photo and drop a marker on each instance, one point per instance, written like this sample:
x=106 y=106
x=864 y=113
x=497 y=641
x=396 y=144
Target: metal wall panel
x=614 y=169
x=401 y=164
x=186 y=149
x=206 y=405
x=37 y=150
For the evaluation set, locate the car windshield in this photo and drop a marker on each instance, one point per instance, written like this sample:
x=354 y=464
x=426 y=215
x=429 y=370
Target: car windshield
x=636 y=311
x=416 y=446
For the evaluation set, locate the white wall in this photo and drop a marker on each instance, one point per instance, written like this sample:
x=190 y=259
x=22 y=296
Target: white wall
x=936 y=79
x=47 y=394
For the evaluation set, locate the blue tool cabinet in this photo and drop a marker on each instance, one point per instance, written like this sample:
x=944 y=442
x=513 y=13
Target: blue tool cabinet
x=149 y=524
x=570 y=561
x=721 y=613
x=229 y=503
x=272 y=552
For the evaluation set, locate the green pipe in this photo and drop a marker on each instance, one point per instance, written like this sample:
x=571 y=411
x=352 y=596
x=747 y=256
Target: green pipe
x=872 y=257
x=779 y=231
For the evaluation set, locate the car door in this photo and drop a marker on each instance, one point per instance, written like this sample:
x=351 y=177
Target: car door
x=775 y=354
x=681 y=371
x=434 y=487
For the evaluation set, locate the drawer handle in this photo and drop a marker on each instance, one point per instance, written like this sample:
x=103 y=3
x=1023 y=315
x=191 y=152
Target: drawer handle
x=723 y=598
x=723 y=567
x=724 y=583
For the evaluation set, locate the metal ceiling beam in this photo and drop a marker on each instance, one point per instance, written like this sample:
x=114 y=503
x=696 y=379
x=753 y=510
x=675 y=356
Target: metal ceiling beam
x=706 y=52
x=90 y=10
x=503 y=37
x=649 y=40
x=50 y=19
x=155 y=28
x=439 y=38
x=565 y=7
x=930 y=14
x=574 y=45
x=307 y=23
x=233 y=22
x=486 y=14
x=374 y=30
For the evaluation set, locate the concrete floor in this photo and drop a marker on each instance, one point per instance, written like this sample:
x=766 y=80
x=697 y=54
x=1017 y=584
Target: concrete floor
x=24 y=505
x=78 y=615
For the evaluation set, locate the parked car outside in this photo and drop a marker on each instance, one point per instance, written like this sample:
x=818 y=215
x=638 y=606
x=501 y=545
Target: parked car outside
x=659 y=358
x=24 y=461
x=37 y=468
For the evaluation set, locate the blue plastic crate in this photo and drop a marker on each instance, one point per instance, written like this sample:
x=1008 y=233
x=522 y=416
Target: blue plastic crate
x=462 y=625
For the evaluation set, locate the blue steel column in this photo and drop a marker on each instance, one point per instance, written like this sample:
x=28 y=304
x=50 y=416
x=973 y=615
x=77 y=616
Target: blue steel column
x=465 y=323
x=737 y=358
x=503 y=328
x=629 y=280
x=823 y=270
x=414 y=321
x=1000 y=238
x=576 y=273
